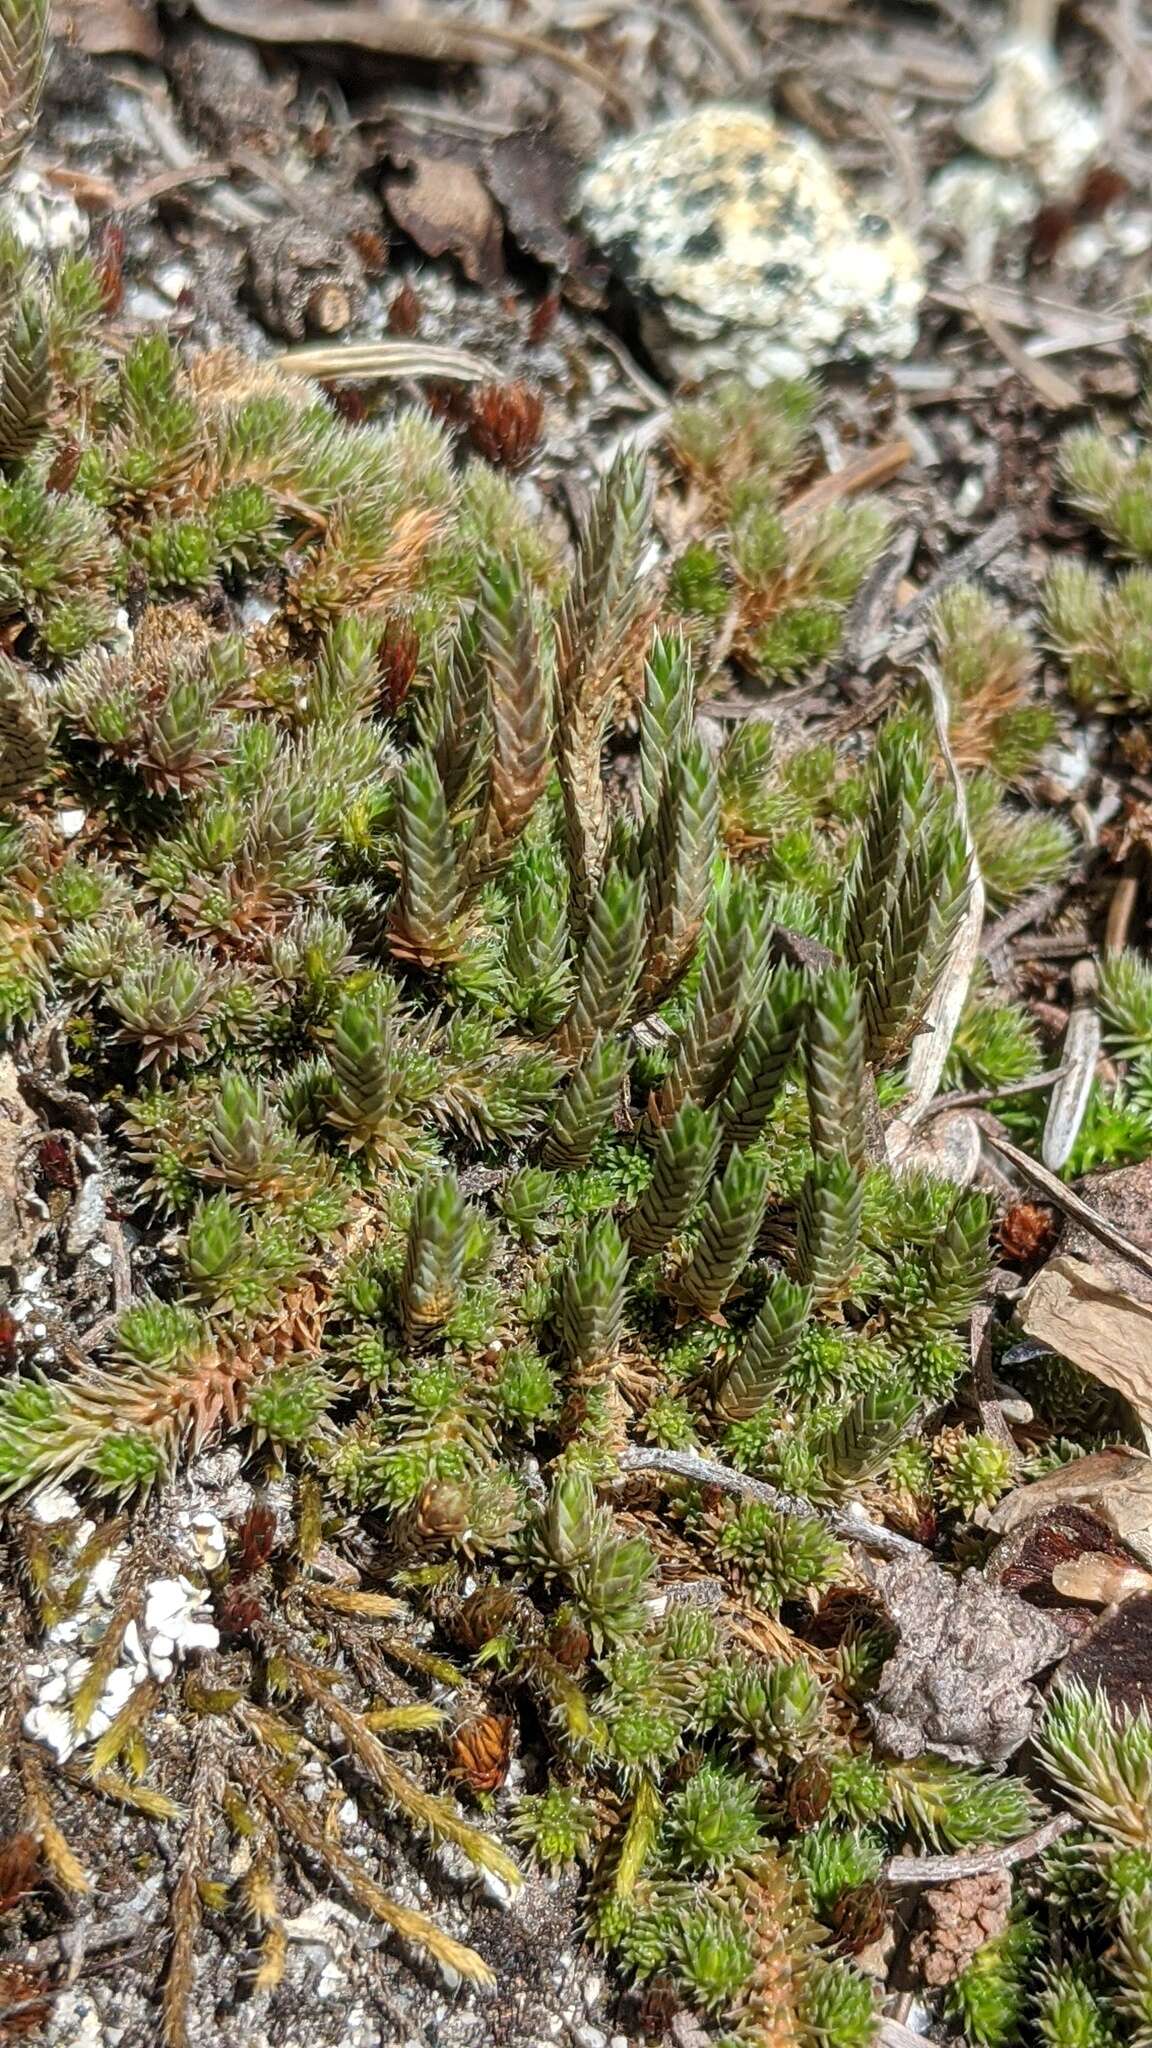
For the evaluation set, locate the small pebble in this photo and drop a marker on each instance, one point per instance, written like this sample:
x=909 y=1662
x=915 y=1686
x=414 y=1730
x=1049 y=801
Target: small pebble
x=52 y=1725
x=332 y=1981
x=54 y=1504
x=172 y=279
x=1028 y=116
x=40 y=215
x=498 y=1889
x=104 y=1574
x=89 y=1214
x=141 y=303
x=210 y=1540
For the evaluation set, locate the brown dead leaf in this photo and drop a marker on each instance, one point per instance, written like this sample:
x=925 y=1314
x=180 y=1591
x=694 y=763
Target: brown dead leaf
x=106 y=28
x=1037 y=1559
x=1116 y=1485
x=1116 y=1656
x=1083 y=1316
x=535 y=184
x=958 y=1684
x=448 y=211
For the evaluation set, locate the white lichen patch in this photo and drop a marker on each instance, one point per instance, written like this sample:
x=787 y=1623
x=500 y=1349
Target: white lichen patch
x=58 y=1673
x=747 y=252
x=173 y=1622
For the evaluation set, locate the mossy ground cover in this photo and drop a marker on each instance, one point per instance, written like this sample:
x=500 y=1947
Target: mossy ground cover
x=496 y=1073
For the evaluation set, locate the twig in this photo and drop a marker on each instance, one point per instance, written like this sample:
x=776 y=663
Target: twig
x=863 y=473
x=991 y=1413
x=121 y=1264
x=916 y=1870
x=1071 y=325
x=1120 y=913
x=1054 y=390
x=706 y=1472
x=977 y=555
x=727 y=32
x=1054 y=945
x=1031 y=910
x=1071 y=1204
x=904 y=636
x=976 y=1098
x=164 y=182
x=894 y=2034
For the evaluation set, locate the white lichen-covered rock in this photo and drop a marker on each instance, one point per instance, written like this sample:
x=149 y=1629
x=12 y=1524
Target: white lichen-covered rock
x=746 y=252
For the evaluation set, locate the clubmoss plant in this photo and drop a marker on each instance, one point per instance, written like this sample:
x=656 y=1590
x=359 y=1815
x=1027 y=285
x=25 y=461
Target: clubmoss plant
x=786 y=574
x=1099 y=623
x=485 y=1114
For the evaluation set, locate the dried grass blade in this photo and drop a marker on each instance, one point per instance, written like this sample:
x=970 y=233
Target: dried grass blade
x=385 y=359
x=1068 y=1101
x=933 y=1042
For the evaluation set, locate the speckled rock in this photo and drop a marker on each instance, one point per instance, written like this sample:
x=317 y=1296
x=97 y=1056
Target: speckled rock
x=746 y=252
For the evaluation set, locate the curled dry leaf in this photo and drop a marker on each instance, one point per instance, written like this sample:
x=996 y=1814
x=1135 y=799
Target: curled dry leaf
x=1101 y=1579
x=1115 y=1485
x=958 y=1683
x=448 y=211
x=933 y=1041
x=1078 y=1312
x=535 y=183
